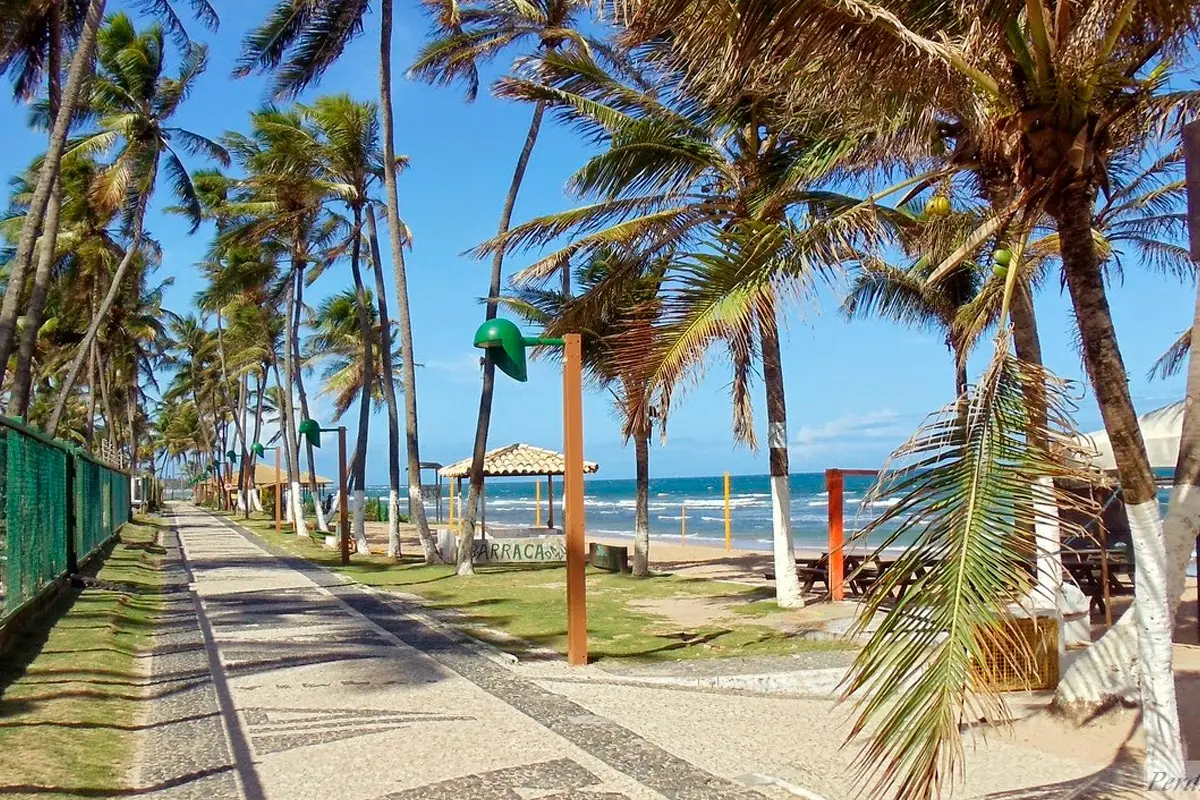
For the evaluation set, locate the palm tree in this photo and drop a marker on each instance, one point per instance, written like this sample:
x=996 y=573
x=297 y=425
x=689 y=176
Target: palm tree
x=347 y=135
x=135 y=102
x=32 y=50
x=615 y=311
x=1053 y=100
x=464 y=35
x=725 y=193
x=283 y=199
x=298 y=49
x=30 y=37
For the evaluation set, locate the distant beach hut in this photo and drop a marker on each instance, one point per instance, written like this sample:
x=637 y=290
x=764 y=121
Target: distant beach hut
x=516 y=461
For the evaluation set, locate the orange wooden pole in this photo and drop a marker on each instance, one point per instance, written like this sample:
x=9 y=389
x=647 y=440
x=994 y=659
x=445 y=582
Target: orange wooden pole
x=278 y=496
x=343 y=516
x=573 y=522
x=834 y=485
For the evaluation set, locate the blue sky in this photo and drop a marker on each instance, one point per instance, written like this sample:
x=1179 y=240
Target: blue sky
x=854 y=391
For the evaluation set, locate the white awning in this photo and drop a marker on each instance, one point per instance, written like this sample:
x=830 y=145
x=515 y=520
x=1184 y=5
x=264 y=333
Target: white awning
x=1161 y=429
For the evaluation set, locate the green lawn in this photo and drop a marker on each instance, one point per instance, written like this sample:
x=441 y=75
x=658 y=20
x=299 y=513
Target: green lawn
x=527 y=606
x=70 y=695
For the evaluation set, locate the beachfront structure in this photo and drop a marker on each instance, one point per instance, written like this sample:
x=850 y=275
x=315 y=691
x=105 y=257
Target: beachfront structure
x=514 y=461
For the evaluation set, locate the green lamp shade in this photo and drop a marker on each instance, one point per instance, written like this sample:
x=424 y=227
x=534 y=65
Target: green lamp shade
x=312 y=431
x=232 y=456
x=505 y=346
x=258 y=449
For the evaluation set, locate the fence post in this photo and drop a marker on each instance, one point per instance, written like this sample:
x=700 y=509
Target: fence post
x=72 y=501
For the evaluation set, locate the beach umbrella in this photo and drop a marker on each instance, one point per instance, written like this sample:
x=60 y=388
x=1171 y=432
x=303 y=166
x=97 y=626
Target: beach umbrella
x=1161 y=430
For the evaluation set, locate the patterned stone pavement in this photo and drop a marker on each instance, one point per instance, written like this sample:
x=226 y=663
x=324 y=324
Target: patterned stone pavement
x=282 y=680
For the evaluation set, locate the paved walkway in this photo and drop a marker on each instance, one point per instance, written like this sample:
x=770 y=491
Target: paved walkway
x=277 y=679
x=273 y=678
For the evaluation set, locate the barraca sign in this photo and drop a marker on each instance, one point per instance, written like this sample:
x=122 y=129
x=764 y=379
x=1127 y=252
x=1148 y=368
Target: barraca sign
x=547 y=549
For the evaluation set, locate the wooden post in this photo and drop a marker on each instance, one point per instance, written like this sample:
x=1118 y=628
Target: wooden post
x=278 y=496
x=834 y=485
x=550 y=501
x=343 y=516
x=453 y=497
x=537 y=504
x=577 y=644
x=728 y=530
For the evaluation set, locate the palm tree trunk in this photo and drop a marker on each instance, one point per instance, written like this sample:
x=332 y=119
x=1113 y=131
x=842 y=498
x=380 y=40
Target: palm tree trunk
x=403 y=313
x=641 y=514
x=81 y=63
x=286 y=385
x=1106 y=369
x=81 y=351
x=787 y=583
x=466 y=534
x=22 y=384
x=1109 y=668
x=260 y=382
x=23 y=380
x=302 y=395
x=130 y=418
x=93 y=380
x=364 y=409
x=389 y=396
x=960 y=376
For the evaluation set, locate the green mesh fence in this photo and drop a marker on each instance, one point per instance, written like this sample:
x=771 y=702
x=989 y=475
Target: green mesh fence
x=46 y=518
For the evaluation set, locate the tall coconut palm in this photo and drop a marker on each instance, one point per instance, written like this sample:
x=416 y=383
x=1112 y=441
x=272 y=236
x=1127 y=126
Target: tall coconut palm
x=465 y=34
x=297 y=49
x=615 y=310
x=134 y=102
x=23 y=25
x=347 y=135
x=722 y=192
x=283 y=198
x=32 y=49
x=350 y=370
x=1056 y=98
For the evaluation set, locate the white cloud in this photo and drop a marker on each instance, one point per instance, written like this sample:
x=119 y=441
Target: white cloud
x=847 y=432
x=872 y=425
x=463 y=369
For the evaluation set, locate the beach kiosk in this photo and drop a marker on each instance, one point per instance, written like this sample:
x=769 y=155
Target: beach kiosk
x=517 y=460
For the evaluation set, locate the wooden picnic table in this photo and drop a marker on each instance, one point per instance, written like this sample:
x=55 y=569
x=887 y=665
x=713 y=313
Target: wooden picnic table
x=1093 y=576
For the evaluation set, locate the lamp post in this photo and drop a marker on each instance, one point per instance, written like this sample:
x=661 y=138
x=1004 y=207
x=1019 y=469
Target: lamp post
x=232 y=455
x=506 y=347
x=260 y=450
x=312 y=430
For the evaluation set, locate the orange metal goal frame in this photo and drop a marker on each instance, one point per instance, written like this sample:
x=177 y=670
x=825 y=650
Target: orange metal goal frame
x=835 y=485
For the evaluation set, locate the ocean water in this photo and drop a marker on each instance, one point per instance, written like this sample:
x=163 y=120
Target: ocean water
x=610 y=507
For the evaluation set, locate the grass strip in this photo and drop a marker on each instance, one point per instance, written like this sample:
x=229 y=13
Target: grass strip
x=640 y=619
x=71 y=694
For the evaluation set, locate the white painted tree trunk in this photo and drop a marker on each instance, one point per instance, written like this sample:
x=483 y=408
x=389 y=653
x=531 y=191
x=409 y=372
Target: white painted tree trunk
x=787 y=584
x=1155 y=623
x=393 y=506
x=1048 y=541
x=256 y=500
x=287 y=505
x=1108 y=671
x=336 y=504
x=359 y=524
x=322 y=523
x=242 y=497
x=298 y=509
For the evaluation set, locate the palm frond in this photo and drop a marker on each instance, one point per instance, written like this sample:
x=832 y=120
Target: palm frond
x=969 y=483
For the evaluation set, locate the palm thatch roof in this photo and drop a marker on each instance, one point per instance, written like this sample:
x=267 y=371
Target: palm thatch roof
x=264 y=475
x=514 y=460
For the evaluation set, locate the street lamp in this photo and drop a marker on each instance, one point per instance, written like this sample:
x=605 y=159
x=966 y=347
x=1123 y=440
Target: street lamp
x=260 y=450
x=506 y=346
x=311 y=430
